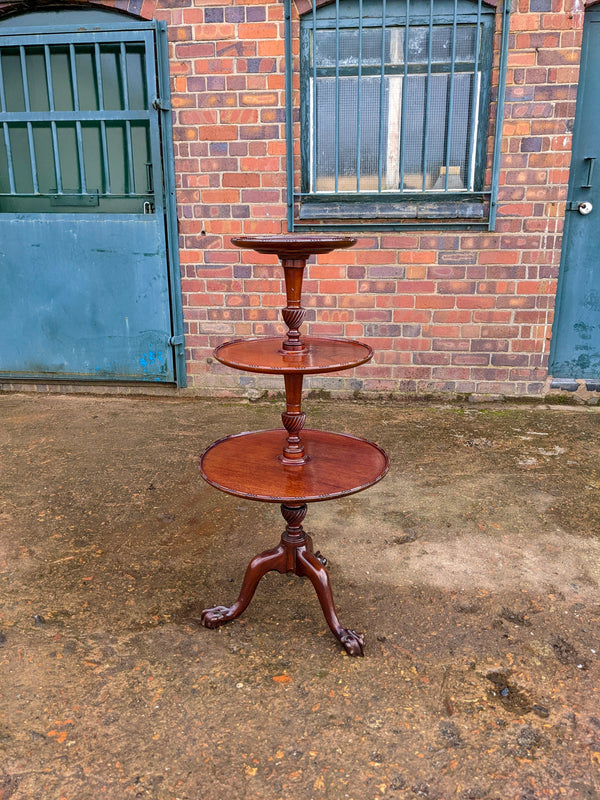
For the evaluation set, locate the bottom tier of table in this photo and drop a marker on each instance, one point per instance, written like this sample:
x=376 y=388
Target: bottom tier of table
x=247 y=465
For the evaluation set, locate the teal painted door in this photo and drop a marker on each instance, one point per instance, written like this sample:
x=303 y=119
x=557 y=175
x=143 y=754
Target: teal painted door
x=575 y=350
x=85 y=288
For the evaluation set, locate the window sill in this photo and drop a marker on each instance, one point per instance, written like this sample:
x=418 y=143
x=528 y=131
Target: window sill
x=458 y=208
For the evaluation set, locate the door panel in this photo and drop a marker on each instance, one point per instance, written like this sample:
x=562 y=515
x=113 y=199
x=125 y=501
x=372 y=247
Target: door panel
x=85 y=290
x=102 y=321
x=575 y=351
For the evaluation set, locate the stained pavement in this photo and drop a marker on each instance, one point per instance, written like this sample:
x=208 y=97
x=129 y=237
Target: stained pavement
x=473 y=569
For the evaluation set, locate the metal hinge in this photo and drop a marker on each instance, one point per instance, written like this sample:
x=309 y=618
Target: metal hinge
x=158 y=104
x=175 y=341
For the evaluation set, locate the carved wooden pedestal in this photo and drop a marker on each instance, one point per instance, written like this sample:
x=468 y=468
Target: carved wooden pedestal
x=290 y=465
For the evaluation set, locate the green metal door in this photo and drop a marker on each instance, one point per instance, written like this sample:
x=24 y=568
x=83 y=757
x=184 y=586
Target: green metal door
x=89 y=287
x=575 y=351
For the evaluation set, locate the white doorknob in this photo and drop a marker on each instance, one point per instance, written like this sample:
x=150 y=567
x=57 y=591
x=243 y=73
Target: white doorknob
x=585 y=208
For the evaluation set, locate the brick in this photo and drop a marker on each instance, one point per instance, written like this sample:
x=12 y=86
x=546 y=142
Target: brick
x=456 y=287
x=471 y=359
x=389 y=271
x=451 y=315
x=457 y=258
x=211 y=33
x=448 y=376
x=411 y=315
x=434 y=301
x=531 y=144
x=554 y=56
x=450 y=345
x=431 y=358
x=399 y=242
x=257 y=31
x=499 y=257
x=488 y=345
x=475 y=301
x=377 y=286
x=259 y=99
x=374 y=315
x=417 y=257
x=510 y=360
x=446 y=272
x=338 y=287
x=259 y=131
x=240 y=179
x=499 y=331
x=525 y=41
x=418 y=287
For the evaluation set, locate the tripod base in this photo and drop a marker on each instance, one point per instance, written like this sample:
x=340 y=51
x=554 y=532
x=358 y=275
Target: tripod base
x=294 y=554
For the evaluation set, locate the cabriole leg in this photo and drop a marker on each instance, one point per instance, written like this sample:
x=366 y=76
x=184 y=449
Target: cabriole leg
x=308 y=564
x=259 y=566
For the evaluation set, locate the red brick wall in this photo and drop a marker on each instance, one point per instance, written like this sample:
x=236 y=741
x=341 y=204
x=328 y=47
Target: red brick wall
x=456 y=312
x=446 y=312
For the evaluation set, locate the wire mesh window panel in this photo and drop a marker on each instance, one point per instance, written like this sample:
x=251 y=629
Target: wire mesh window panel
x=74 y=123
x=395 y=98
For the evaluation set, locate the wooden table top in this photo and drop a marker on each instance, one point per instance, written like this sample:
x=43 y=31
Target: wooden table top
x=265 y=354
x=246 y=465
x=293 y=245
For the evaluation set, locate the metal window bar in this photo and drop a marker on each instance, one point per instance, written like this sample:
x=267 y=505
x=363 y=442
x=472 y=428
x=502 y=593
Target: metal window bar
x=381 y=96
x=474 y=101
x=358 y=91
x=337 y=94
x=78 y=132
x=499 y=112
x=314 y=115
x=450 y=111
x=6 y=131
x=51 y=106
x=34 y=170
x=128 y=143
x=404 y=90
x=103 y=138
x=427 y=98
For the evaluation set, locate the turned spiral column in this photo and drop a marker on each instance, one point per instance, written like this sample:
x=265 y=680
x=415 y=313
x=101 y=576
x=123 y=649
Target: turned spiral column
x=293 y=417
x=293 y=313
x=294 y=517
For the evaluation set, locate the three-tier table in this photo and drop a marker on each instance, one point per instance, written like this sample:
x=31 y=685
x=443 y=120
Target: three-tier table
x=292 y=465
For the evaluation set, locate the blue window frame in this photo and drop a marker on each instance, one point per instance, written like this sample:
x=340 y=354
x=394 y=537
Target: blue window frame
x=395 y=114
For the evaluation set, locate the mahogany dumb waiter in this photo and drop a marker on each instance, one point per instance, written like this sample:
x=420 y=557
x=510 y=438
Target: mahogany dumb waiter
x=292 y=466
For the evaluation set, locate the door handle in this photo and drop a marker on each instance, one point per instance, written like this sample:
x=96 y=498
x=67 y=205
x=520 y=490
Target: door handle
x=591 y=162
x=585 y=208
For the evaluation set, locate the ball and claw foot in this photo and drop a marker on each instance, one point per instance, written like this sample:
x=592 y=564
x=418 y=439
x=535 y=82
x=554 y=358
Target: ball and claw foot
x=352 y=642
x=214 y=617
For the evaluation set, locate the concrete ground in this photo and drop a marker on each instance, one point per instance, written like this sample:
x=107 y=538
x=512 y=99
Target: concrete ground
x=473 y=568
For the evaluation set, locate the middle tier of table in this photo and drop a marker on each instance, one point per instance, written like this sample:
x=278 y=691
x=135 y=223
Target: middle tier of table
x=266 y=354
x=248 y=465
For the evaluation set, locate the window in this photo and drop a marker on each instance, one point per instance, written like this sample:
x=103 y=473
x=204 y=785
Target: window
x=394 y=111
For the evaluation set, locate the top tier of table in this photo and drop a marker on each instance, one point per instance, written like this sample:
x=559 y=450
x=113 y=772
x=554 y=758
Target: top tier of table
x=294 y=246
